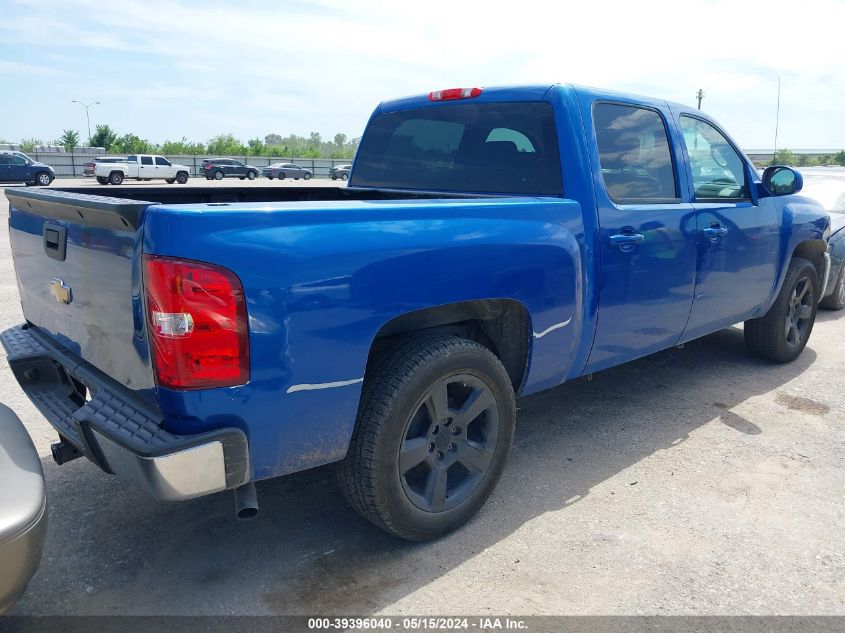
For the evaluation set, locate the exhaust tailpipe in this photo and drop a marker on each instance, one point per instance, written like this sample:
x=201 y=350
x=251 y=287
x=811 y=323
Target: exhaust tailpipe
x=63 y=452
x=246 y=501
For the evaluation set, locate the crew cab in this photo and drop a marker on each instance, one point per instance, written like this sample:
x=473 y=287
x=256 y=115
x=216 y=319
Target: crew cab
x=492 y=243
x=141 y=167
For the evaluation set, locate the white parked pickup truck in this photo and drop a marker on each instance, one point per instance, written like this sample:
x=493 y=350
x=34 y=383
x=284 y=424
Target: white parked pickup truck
x=141 y=167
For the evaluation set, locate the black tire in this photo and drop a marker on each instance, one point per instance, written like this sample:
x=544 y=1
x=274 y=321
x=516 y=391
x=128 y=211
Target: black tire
x=281 y=175
x=345 y=176
x=251 y=175
x=334 y=177
x=102 y=180
x=436 y=492
x=208 y=177
x=181 y=177
x=836 y=300
x=270 y=176
x=218 y=175
x=169 y=181
x=306 y=176
x=43 y=178
x=116 y=178
x=782 y=333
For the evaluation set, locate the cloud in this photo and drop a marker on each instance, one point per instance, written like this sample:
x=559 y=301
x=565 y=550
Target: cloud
x=324 y=65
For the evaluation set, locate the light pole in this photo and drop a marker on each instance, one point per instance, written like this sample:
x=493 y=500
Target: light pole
x=699 y=95
x=87 y=117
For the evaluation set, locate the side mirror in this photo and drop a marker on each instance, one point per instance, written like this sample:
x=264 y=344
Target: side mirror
x=782 y=181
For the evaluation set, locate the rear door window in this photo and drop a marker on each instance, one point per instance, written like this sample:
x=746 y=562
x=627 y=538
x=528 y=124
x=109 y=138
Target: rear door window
x=146 y=160
x=636 y=161
x=463 y=147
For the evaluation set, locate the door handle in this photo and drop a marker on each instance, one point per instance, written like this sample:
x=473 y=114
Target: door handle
x=714 y=232
x=626 y=241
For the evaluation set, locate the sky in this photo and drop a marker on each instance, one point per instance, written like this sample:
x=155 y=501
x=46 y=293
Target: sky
x=164 y=69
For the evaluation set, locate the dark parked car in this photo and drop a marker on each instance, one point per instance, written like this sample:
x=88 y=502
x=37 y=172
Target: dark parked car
x=286 y=170
x=89 y=166
x=23 y=508
x=220 y=168
x=340 y=171
x=834 y=297
x=17 y=167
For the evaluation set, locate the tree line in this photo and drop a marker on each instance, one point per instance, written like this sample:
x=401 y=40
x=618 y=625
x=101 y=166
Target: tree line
x=313 y=146
x=786 y=157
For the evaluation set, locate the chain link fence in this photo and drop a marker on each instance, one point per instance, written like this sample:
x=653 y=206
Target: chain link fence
x=70 y=165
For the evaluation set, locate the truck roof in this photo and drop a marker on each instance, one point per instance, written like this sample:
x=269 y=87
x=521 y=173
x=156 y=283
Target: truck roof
x=530 y=92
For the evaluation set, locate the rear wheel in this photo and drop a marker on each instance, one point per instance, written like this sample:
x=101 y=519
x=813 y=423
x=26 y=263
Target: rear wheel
x=281 y=175
x=102 y=180
x=782 y=333
x=435 y=424
x=116 y=178
x=218 y=175
x=345 y=176
x=836 y=300
x=169 y=181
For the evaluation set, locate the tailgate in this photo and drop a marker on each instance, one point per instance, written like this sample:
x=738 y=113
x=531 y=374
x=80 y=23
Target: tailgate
x=76 y=260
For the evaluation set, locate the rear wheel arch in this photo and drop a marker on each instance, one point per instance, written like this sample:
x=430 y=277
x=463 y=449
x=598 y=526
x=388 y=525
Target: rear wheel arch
x=501 y=325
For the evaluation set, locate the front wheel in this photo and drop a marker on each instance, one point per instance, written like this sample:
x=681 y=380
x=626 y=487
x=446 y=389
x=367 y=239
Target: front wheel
x=782 y=333
x=251 y=175
x=43 y=178
x=345 y=176
x=435 y=424
x=307 y=176
x=836 y=300
x=281 y=175
x=182 y=177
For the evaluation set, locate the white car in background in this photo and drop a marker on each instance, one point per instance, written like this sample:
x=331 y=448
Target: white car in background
x=141 y=167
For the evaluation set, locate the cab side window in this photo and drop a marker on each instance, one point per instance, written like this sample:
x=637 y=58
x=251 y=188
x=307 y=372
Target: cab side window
x=146 y=160
x=161 y=160
x=636 y=161
x=718 y=171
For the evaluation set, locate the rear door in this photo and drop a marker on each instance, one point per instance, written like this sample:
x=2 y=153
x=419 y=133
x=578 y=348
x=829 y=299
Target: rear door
x=147 y=167
x=5 y=168
x=738 y=234
x=647 y=236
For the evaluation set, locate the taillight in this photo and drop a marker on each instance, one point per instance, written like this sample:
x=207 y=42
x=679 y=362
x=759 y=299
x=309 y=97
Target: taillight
x=196 y=316
x=453 y=93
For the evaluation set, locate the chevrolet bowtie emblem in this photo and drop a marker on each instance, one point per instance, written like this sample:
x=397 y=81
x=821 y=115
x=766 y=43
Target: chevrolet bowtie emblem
x=60 y=291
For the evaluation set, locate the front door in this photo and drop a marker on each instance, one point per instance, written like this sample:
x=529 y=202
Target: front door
x=18 y=169
x=738 y=236
x=646 y=235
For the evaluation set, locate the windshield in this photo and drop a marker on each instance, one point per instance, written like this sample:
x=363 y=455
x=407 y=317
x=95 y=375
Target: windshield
x=480 y=148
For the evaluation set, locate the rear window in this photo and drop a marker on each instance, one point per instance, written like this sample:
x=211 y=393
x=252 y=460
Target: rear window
x=463 y=147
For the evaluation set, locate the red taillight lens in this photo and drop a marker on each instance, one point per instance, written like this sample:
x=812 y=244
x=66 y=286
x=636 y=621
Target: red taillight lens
x=453 y=93
x=196 y=316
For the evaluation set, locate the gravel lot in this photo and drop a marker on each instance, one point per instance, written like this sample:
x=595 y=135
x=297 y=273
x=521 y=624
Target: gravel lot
x=695 y=481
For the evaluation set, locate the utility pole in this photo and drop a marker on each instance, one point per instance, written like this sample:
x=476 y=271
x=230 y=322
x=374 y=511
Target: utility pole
x=699 y=95
x=87 y=117
x=777 y=121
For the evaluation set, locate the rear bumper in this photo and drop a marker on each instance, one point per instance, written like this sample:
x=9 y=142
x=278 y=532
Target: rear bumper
x=119 y=431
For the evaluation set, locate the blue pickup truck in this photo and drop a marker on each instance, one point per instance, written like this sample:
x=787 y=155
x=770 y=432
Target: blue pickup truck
x=492 y=243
